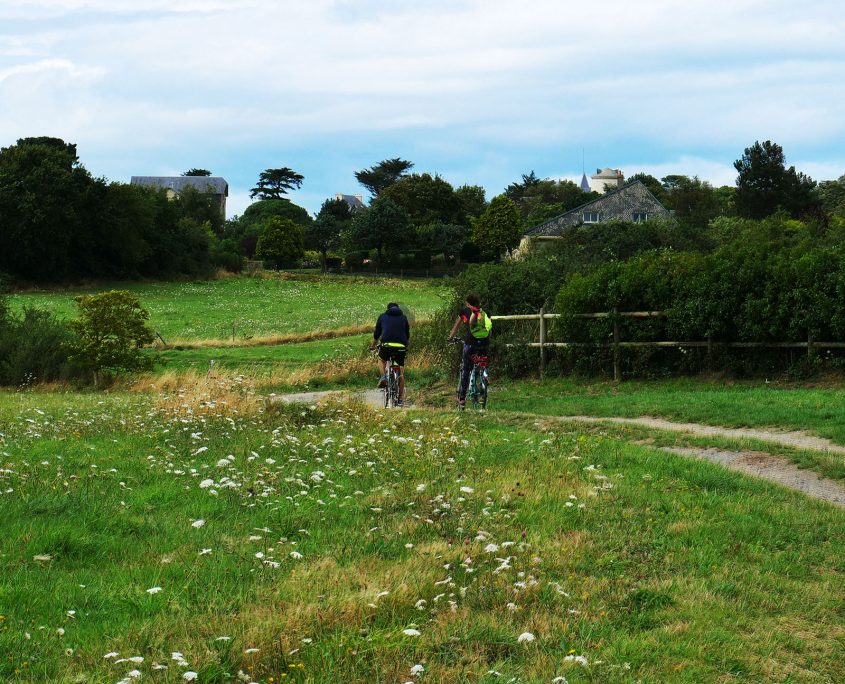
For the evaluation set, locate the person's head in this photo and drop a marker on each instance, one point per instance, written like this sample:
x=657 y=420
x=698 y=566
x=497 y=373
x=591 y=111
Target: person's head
x=392 y=305
x=473 y=300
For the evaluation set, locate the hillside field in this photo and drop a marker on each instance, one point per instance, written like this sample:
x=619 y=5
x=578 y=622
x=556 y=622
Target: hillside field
x=258 y=307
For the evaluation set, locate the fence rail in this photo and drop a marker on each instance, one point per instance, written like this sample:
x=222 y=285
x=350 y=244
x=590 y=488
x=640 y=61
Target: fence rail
x=618 y=344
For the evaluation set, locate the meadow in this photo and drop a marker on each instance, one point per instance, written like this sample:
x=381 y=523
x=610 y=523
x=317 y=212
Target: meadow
x=218 y=536
x=186 y=526
x=256 y=307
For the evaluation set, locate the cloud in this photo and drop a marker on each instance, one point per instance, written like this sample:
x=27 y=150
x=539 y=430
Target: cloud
x=472 y=86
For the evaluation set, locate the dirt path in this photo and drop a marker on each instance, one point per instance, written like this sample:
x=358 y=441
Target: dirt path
x=371 y=397
x=772 y=468
x=755 y=463
x=795 y=439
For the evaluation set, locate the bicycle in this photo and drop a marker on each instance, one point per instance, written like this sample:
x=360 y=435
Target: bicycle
x=391 y=389
x=479 y=378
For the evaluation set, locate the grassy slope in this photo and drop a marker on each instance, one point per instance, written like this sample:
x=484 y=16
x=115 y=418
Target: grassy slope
x=259 y=307
x=264 y=359
x=673 y=570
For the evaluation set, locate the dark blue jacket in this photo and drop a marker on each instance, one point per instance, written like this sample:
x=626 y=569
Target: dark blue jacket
x=392 y=326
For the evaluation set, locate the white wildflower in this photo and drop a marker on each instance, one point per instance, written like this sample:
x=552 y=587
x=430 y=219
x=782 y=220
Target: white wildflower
x=198 y=523
x=525 y=637
x=153 y=590
x=411 y=632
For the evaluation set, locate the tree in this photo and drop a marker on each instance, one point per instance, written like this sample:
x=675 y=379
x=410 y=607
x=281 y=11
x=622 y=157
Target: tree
x=473 y=202
x=426 y=199
x=201 y=207
x=443 y=238
x=546 y=199
x=382 y=175
x=516 y=191
x=655 y=187
x=695 y=202
x=499 y=228
x=832 y=195
x=275 y=183
x=282 y=241
x=197 y=172
x=764 y=184
x=383 y=227
x=110 y=332
x=324 y=233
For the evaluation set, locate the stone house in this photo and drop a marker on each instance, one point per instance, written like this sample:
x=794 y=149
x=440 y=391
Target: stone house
x=632 y=202
x=215 y=186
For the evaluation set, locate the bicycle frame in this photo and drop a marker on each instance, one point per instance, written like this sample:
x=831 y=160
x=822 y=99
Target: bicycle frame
x=392 y=390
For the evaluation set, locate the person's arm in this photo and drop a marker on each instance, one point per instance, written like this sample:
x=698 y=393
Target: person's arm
x=376 y=334
x=455 y=327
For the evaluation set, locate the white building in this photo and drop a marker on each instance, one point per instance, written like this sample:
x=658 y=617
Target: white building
x=606 y=179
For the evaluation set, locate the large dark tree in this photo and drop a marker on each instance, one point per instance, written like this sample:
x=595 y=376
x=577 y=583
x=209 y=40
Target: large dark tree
x=499 y=228
x=695 y=202
x=197 y=172
x=324 y=233
x=764 y=184
x=282 y=242
x=832 y=195
x=384 y=227
x=45 y=205
x=655 y=187
x=546 y=199
x=426 y=199
x=384 y=174
x=473 y=201
x=275 y=183
x=516 y=191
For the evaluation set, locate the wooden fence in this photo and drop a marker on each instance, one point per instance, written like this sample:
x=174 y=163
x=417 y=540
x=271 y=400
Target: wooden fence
x=618 y=344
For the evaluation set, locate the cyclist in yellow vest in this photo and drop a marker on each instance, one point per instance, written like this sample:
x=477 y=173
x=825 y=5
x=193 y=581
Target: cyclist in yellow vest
x=476 y=342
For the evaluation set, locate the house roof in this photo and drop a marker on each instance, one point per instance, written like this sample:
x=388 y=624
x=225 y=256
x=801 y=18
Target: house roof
x=585 y=184
x=353 y=201
x=606 y=173
x=218 y=185
x=639 y=199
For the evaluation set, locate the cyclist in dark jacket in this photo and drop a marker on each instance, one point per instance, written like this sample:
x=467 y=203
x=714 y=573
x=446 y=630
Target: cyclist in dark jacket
x=392 y=334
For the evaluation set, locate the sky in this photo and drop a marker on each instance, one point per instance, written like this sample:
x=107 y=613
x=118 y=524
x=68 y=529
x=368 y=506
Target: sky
x=478 y=91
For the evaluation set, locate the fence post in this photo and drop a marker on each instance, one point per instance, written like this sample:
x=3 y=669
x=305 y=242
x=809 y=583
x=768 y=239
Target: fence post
x=709 y=353
x=542 y=342
x=617 y=360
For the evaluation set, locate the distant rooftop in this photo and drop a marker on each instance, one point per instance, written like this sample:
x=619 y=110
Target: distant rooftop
x=354 y=201
x=179 y=183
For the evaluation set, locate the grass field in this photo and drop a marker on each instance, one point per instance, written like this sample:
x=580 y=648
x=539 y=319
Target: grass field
x=258 y=307
x=231 y=538
x=730 y=404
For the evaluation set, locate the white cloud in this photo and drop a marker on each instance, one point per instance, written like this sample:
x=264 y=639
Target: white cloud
x=472 y=84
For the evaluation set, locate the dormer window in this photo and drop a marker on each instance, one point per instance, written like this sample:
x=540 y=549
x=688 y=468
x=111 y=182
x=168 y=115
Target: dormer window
x=639 y=217
x=591 y=217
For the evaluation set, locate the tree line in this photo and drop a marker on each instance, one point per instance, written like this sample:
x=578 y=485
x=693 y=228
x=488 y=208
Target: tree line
x=59 y=223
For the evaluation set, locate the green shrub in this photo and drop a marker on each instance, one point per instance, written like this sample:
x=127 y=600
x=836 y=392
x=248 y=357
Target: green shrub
x=34 y=347
x=110 y=332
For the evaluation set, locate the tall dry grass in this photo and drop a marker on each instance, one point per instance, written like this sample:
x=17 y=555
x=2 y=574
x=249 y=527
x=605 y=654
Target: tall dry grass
x=270 y=340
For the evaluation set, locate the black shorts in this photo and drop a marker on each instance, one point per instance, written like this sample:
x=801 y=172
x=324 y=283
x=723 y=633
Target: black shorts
x=396 y=353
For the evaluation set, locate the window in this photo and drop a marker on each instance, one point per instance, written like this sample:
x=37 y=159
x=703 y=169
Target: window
x=591 y=217
x=639 y=216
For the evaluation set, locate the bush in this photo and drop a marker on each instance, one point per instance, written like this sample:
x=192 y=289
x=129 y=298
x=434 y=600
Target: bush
x=110 y=332
x=34 y=347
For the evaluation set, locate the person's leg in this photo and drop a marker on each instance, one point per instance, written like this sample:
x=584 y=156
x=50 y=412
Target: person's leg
x=466 y=369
